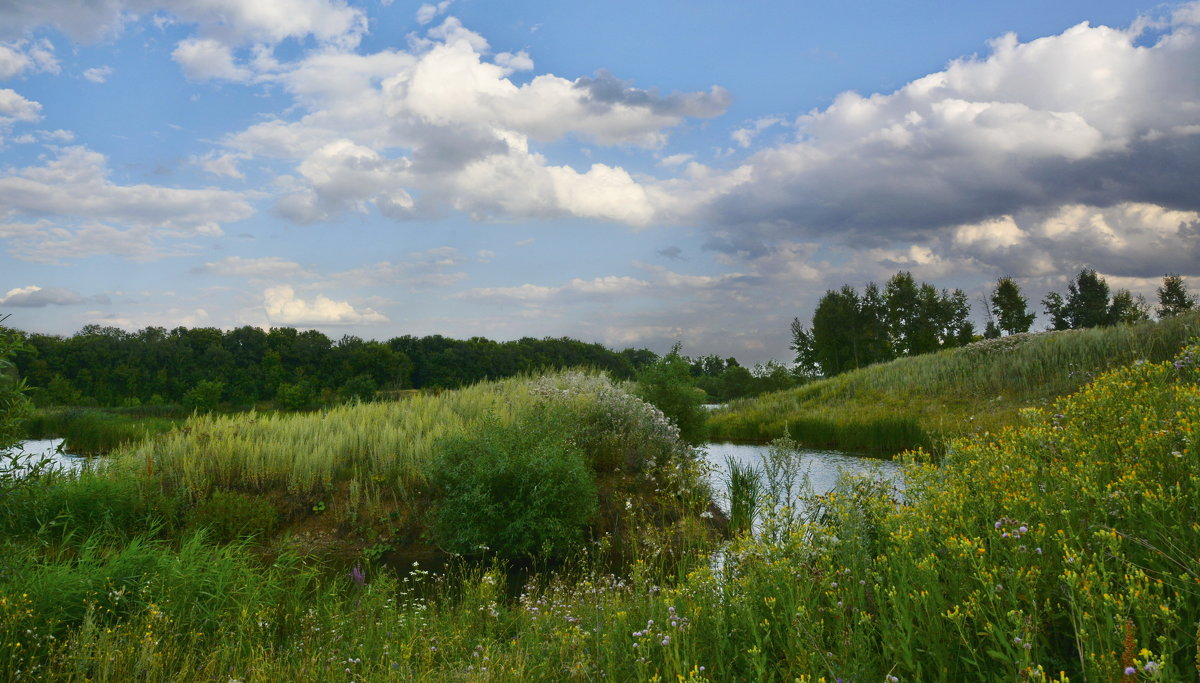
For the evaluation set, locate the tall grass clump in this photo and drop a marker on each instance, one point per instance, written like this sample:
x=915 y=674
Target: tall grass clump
x=921 y=400
x=744 y=484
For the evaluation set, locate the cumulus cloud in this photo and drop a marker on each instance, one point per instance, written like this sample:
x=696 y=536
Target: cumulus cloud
x=75 y=185
x=14 y=107
x=69 y=208
x=1091 y=116
x=283 y=307
x=19 y=56
x=203 y=59
x=1129 y=239
x=222 y=27
x=443 y=126
x=39 y=297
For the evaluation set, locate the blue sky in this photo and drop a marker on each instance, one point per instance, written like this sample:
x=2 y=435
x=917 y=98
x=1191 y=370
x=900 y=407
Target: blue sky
x=632 y=173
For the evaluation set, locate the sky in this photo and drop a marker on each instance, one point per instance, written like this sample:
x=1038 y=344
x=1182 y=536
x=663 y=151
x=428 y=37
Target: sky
x=629 y=173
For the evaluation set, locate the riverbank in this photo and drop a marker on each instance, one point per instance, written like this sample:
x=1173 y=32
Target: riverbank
x=922 y=401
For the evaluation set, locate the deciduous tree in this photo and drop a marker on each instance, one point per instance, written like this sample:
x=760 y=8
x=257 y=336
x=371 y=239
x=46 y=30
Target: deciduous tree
x=1010 y=307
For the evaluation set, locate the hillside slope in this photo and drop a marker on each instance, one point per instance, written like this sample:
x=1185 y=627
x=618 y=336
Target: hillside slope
x=921 y=400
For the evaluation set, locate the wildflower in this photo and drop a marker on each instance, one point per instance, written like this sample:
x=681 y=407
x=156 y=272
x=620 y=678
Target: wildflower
x=358 y=576
x=1150 y=667
x=1130 y=671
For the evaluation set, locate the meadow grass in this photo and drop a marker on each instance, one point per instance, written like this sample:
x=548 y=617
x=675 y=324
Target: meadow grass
x=921 y=400
x=1054 y=550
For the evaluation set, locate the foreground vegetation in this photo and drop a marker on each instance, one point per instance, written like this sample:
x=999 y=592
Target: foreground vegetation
x=1052 y=550
x=920 y=401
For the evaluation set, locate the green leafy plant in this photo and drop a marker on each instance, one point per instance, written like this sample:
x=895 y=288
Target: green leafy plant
x=518 y=489
x=230 y=515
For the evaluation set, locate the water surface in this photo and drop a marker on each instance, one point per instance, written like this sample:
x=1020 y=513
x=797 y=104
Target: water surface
x=822 y=467
x=31 y=451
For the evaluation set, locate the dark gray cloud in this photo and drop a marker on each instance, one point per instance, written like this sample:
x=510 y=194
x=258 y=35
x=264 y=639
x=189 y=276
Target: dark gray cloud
x=605 y=91
x=672 y=252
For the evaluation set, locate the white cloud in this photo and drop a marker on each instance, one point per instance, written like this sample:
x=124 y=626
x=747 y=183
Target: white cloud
x=75 y=184
x=14 y=107
x=222 y=164
x=268 y=267
x=411 y=133
x=98 y=74
x=1127 y=239
x=284 y=308
x=437 y=267
x=78 y=207
x=745 y=136
x=1090 y=116
x=428 y=11
x=18 y=56
x=232 y=21
x=203 y=59
x=38 y=297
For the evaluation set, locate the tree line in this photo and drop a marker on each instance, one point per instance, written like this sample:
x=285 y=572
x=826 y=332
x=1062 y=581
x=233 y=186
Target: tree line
x=203 y=367
x=903 y=318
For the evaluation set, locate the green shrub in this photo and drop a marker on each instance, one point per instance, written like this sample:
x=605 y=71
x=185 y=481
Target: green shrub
x=518 y=489
x=205 y=396
x=230 y=515
x=669 y=386
x=299 y=396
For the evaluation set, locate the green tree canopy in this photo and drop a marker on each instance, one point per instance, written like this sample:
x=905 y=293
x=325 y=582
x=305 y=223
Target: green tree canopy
x=1173 y=297
x=904 y=318
x=1010 y=307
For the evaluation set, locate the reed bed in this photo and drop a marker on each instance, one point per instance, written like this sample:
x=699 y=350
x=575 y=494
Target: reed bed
x=309 y=453
x=921 y=400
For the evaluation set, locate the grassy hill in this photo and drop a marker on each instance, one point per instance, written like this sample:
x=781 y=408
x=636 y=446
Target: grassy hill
x=922 y=400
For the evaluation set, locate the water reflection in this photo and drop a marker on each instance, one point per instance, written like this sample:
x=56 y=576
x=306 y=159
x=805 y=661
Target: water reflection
x=822 y=467
x=32 y=451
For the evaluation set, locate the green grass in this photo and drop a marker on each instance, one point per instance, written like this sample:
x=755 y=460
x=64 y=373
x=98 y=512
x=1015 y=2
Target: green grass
x=922 y=400
x=1057 y=549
